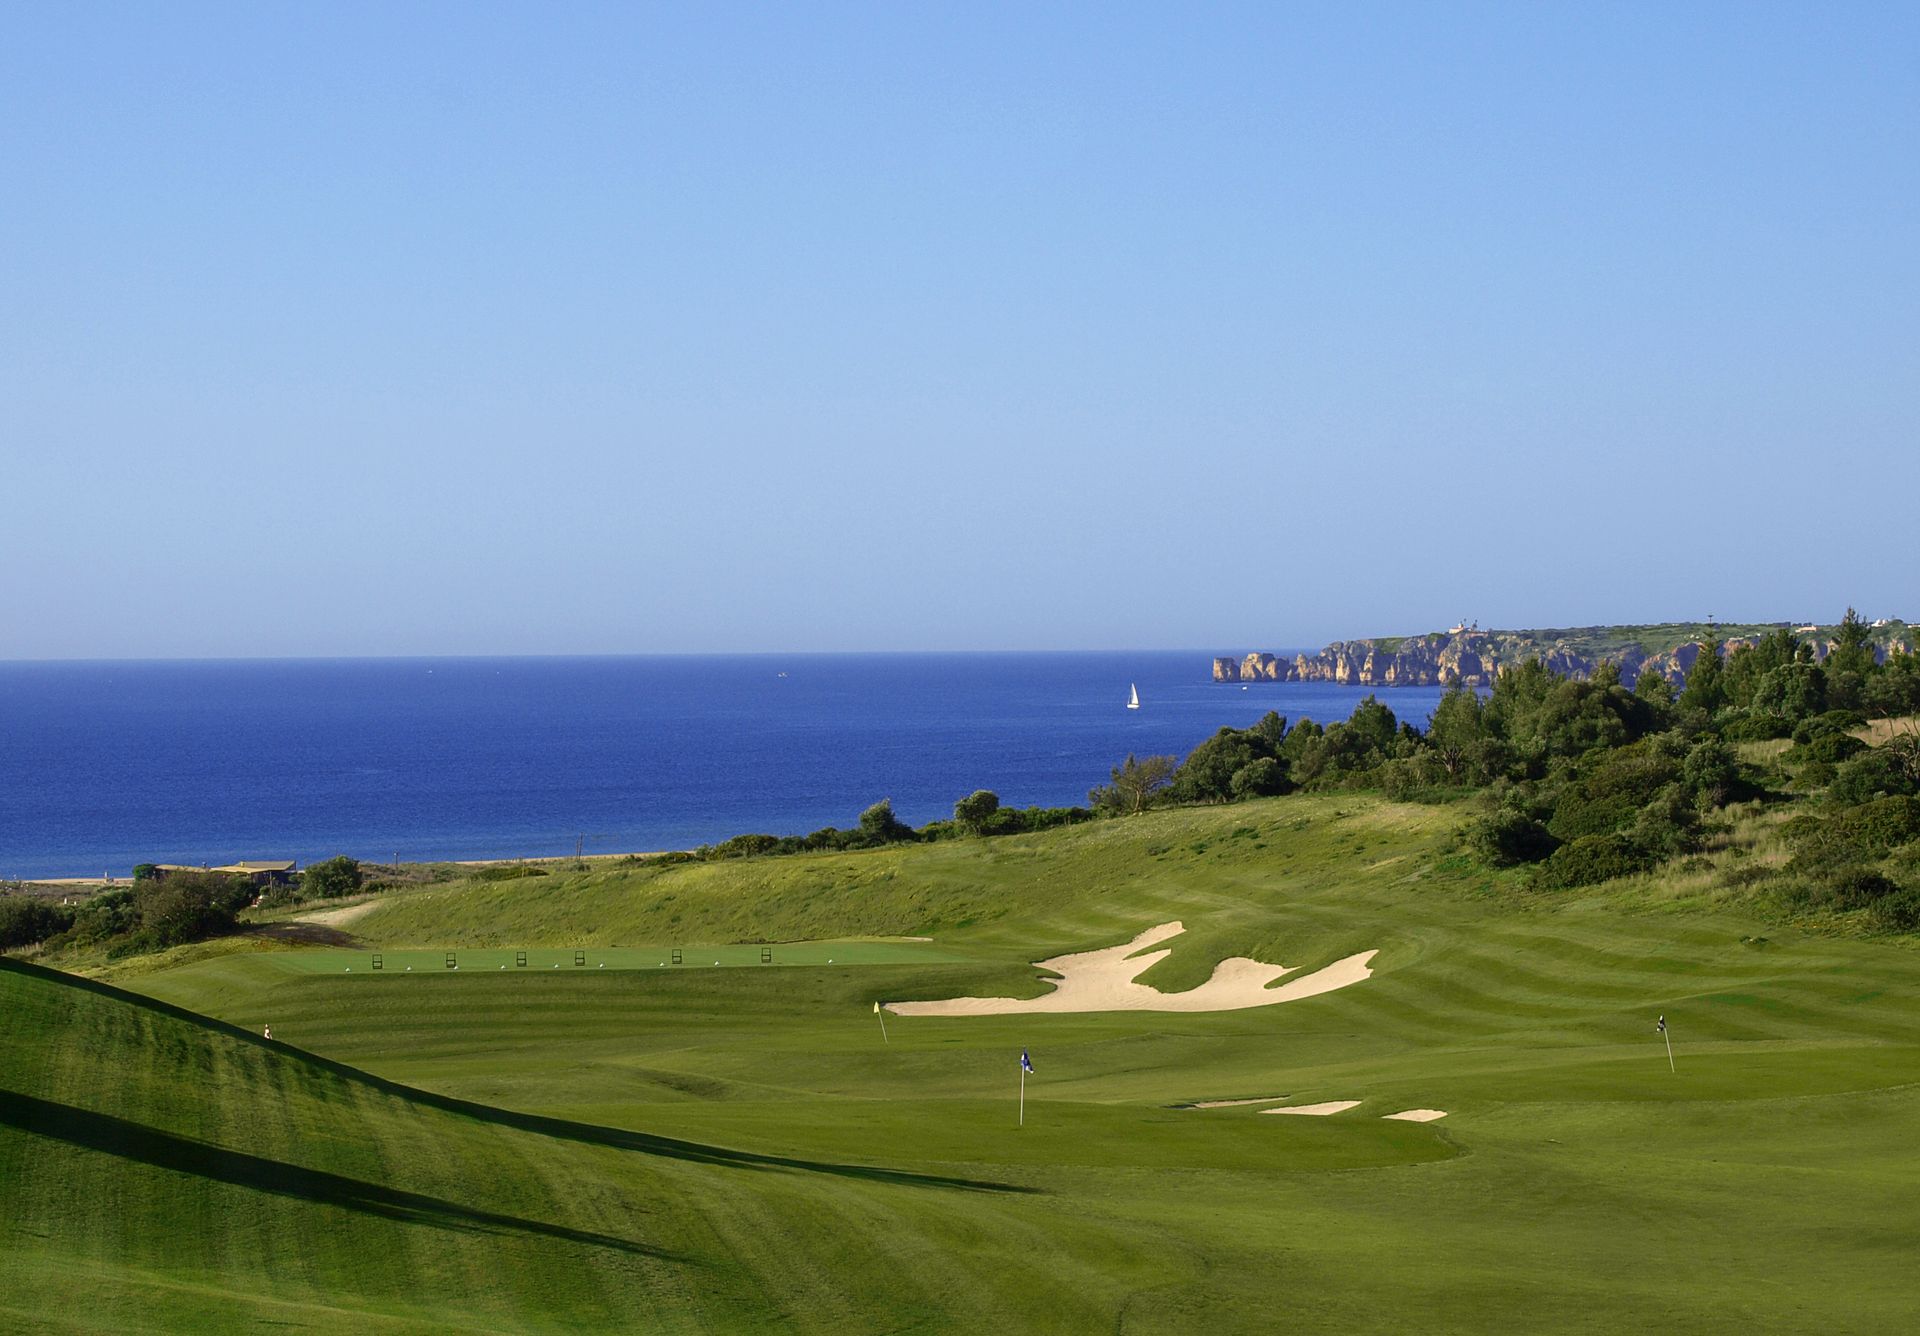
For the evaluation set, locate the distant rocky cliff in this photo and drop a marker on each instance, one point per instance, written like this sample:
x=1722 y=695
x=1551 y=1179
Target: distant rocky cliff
x=1475 y=657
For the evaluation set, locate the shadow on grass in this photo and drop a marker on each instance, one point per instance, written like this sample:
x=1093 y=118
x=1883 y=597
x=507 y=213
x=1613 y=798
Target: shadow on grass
x=149 y=1145
x=564 y=1129
x=302 y=934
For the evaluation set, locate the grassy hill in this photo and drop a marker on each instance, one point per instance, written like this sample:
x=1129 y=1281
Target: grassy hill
x=736 y=1147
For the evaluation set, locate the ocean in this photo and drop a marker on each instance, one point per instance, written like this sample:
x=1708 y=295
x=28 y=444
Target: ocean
x=104 y=765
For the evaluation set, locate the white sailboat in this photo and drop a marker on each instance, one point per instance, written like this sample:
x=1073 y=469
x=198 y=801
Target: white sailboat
x=1133 y=696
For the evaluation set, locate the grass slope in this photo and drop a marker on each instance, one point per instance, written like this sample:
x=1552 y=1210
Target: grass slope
x=189 y=1176
x=1577 y=1184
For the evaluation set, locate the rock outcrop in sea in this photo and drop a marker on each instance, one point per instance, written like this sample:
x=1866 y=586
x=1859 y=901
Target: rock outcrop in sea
x=1475 y=658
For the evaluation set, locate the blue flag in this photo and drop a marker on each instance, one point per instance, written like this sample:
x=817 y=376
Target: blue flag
x=1026 y=1063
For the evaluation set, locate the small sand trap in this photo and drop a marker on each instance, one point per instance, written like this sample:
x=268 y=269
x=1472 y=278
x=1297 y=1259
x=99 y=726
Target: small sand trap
x=1418 y=1115
x=1319 y=1110
x=339 y=918
x=1104 y=981
x=1232 y=1103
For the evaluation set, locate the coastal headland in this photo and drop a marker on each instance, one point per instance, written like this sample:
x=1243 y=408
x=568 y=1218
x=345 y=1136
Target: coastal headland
x=1473 y=657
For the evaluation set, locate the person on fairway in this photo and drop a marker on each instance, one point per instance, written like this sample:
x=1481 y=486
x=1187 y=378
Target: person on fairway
x=266 y=1032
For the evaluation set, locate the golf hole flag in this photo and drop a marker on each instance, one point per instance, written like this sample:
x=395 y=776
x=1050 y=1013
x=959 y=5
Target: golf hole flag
x=1026 y=1065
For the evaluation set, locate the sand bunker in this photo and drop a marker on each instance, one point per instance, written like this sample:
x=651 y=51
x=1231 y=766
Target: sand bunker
x=1318 y=1110
x=1232 y=1103
x=1418 y=1115
x=1104 y=981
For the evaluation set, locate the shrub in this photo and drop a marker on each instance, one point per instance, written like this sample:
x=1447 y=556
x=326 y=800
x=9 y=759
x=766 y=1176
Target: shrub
x=1665 y=826
x=746 y=846
x=25 y=922
x=1836 y=836
x=1832 y=748
x=187 y=907
x=1754 y=728
x=1879 y=773
x=1589 y=860
x=974 y=812
x=331 y=879
x=1814 y=774
x=1711 y=772
x=1828 y=724
x=1898 y=912
x=1259 y=779
x=1750 y=875
x=1858 y=887
x=499 y=872
x=1507 y=838
x=102 y=917
x=878 y=824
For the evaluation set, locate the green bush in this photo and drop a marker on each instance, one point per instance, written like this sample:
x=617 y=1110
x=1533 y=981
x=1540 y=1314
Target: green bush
x=1814 y=775
x=746 y=846
x=498 y=872
x=1835 y=836
x=27 y=922
x=1754 y=728
x=1508 y=838
x=186 y=907
x=331 y=879
x=1879 y=773
x=1829 y=724
x=976 y=811
x=1614 y=787
x=1591 y=859
x=1259 y=779
x=1666 y=826
x=1832 y=748
x=878 y=825
x=1898 y=912
x=1857 y=887
x=1751 y=875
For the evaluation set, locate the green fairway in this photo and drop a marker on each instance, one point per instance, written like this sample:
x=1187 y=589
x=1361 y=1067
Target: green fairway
x=692 y=1147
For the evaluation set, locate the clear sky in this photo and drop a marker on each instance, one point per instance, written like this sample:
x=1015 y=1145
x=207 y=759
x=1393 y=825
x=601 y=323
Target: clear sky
x=570 y=328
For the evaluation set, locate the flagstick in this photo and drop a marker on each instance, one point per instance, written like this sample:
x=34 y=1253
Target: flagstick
x=883 y=1028
x=1669 y=1038
x=1023 y=1094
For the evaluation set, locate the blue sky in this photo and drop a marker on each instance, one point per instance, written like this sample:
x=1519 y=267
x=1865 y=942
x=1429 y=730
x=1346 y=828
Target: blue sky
x=594 y=329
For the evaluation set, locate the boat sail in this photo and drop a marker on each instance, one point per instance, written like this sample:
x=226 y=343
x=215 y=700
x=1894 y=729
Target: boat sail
x=1133 y=696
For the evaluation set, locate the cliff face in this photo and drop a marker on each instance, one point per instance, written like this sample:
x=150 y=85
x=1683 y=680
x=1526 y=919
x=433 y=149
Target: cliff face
x=1476 y=658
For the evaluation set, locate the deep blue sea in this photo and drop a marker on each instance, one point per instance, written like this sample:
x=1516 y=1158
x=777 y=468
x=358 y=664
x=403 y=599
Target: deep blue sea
x=104 y=765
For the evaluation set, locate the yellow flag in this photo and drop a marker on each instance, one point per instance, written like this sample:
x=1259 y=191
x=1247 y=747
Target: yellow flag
x=876 y=1008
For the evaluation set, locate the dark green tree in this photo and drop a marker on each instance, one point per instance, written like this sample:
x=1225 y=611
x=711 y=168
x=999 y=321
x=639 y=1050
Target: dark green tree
x=878 y=824
x=331 y=879
x=1459 y=723
x=1850 y=663
x=973 y=812
x=1704 y=690
x=1135 y=782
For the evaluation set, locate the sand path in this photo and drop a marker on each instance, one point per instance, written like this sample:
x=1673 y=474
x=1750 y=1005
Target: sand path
x=339 y=918
x=1104 y=980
